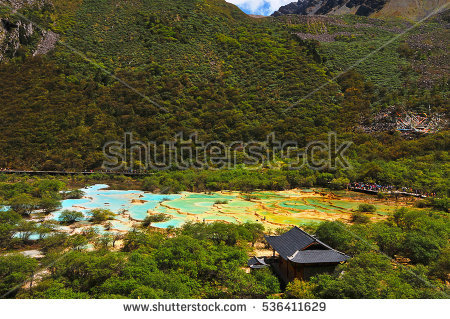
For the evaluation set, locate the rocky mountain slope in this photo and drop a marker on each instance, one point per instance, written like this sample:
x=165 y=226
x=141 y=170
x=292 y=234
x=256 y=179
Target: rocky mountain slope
x=19 y=36
x=374 y=8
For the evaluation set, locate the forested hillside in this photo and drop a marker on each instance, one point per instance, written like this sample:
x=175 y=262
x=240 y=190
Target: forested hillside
x=216 y=71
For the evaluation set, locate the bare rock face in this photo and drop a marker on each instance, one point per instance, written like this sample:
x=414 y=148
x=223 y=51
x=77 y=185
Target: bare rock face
x=47 y=43
x=322 y=7
x=18 y=35
x=12 y=36
x=18 y=4
x=406 y=8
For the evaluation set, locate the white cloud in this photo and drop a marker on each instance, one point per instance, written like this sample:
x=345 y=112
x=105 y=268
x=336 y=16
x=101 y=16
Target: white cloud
x=262 y=7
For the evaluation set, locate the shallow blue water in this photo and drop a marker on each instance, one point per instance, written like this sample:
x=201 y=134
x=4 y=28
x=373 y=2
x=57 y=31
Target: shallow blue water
x=32 y=236
x=117 y=225
x=175 y=222
x=99 y=196
x=137 y=205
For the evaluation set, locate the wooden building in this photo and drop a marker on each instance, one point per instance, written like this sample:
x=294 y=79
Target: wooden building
x=300 y=255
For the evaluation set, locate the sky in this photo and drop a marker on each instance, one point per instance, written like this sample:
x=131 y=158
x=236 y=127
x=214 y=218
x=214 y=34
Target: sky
x=260 y=7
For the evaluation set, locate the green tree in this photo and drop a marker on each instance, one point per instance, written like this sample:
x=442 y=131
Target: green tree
x=47 y=188
x=367 y=208
x=255 y=232
x=15 y=270
x=56 y=241
x=299 y=289
x=267 y=279
x=339 y=183
x=26 y=229
x=359 y=218
x=85 y=270
x=45 y=228
x=366 y=276
x=145 y=293
x=104 y=241
x=79 y=241
x=73 y=194
x=150 y=184
x=440 y=268
x=69 y=217
x=134 y=240
x=115 y=238
x=49 y=204
x=9 y=222
x=100 y=215
x=421 y=247
x=390 y=239
x=52 y=289
x=23 y=204
x=156 y=218
x=343 y=238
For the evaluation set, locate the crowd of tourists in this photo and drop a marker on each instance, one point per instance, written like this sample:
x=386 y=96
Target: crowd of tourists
x=389 y=189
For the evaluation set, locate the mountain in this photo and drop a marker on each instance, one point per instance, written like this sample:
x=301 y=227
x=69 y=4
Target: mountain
x=77 y=74
x=412 y=9
x=207 y=66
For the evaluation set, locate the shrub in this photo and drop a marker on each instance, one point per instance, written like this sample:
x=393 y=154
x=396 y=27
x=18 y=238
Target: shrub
x=100 y=215
x=74 y=194
x=250 y=197
x=70 y=216
x=221 y=202
x=49 y=204
x=339 y=183
x=23 y=204
x=108 y=226
x=359 y=218
x=381 y=195
x=440 y=203
x=367 y=208
x=150 y=184
x=299 y=289
x=157 y=218
x=436 y=203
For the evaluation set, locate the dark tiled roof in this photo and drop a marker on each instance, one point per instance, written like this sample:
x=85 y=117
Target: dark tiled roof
x=291 y=246
x=287 y=244
x=257 y=263
x=318 y=257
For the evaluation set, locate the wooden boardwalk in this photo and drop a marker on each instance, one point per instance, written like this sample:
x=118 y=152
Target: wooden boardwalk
x=375 y=192
x=69 y=173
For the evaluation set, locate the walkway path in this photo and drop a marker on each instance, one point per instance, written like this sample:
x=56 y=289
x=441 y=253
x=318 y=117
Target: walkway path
x=391 y=192
x=125 y=173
